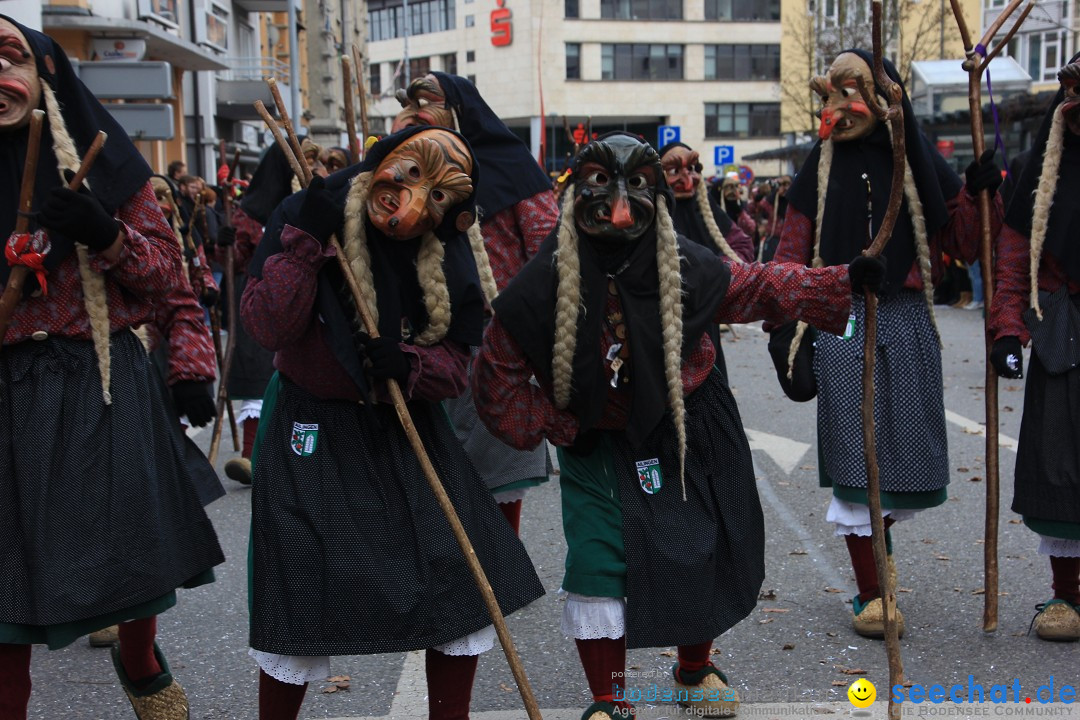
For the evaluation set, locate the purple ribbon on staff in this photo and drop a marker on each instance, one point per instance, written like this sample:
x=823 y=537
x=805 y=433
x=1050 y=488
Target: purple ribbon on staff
x=998 y=141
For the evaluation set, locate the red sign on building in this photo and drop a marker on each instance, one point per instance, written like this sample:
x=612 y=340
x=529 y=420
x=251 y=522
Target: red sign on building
x=501 y=32
x=946 y=148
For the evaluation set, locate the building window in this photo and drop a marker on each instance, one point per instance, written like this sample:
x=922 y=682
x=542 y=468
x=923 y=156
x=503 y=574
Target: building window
x=641 y=62
x=573 y=61
x=470 y=56
x=375 y=79
x=640 y=9
x=1041 y=54
x=742 y=62
x=217 y=26
x=571 y=9
x=742 y=120
x=744 y=9
x=449 y=63
x=418 y=68
x=161 y=10
x=386 y=18
x=470 y=21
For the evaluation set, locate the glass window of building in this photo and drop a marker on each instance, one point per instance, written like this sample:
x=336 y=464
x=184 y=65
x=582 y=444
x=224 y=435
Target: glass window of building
x=742 y=62
x=449 y=63
x=571 y=9
x=640 y=9
x=743 y=9
x=641 y=62
x=470 y=56
x=742 y=120
x=386 y=18
x=470 y=21
x=375 y=79
x=573 y=61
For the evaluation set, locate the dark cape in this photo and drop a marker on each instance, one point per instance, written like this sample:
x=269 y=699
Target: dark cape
x=271 y=183
x=118 y=173
x=511 y=173
x=845 y=231
x=526 y=309
x=1063 y=229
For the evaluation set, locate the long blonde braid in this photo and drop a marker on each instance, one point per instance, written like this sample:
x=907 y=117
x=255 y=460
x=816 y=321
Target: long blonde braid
x=95 y=297
x=355 y=241
x=483 y=262
x=568 y=265
x=671 y=324
x=701 y=195
x=432 y=278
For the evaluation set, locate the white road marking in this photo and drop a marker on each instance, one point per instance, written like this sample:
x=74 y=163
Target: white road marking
x=785 y=452
x=977 y=428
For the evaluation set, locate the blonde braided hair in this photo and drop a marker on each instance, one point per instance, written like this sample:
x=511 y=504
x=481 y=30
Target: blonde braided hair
x=701 y=195
x=95 y=296
x=671 y=323
x=429 y=272
x=483 y=262
x=568 y=265
x=1044 y=199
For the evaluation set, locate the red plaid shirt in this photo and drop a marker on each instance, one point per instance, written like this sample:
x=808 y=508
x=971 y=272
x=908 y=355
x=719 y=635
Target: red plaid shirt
x=523 y=414
x=513 y=235
x=1012 y=283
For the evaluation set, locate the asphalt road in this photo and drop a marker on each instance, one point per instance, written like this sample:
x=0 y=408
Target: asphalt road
x=793 y=648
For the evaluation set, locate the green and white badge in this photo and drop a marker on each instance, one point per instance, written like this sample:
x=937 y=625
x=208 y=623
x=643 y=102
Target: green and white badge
x=849 y=329
x=304 y=438
x=649 y=476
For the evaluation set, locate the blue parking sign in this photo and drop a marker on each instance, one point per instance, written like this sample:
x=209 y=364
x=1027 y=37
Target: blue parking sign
x=723 y=155
x=668 y=134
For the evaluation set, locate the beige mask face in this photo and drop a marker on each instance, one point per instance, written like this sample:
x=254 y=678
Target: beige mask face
x=20 y=90
x=844 y=115
x=423 y=103
x=418 y=182
x=682 y=169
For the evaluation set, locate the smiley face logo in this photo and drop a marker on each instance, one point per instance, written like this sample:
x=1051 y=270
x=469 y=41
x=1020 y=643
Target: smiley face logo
x=862 y=693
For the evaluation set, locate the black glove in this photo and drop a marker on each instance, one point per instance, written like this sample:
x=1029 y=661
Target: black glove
x=210 y=296
x=983 y=174
x=184 y=230
x=79 y=216
x=319 y=216
x=226 y=236
x=1007 y=357
x=866 y=273
x=386 y=359
x=585 y=443
x=193 y=398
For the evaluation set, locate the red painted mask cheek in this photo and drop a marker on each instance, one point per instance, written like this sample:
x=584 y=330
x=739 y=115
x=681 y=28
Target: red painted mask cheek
x=828 y=120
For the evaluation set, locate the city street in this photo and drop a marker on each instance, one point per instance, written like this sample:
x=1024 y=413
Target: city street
x=797 y=646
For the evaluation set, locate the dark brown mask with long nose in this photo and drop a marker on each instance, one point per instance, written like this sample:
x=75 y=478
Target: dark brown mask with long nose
x=615 y=188
x=418 y=182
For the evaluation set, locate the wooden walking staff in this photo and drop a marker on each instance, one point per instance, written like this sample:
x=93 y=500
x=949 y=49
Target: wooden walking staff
x=350 y=109
x=223 y=404
x=17 y=277
x=895 y=116
x=531 y=707
x=976 y=63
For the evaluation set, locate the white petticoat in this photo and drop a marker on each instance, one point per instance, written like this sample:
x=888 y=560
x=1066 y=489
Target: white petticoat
x=300 y=669
x=510 y=495
x=249 y=410
x=854 y=518
x=590 y=618
x=1059 y=547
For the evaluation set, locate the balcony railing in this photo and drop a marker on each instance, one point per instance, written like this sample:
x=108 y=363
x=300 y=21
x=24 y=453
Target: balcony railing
x=255 y=68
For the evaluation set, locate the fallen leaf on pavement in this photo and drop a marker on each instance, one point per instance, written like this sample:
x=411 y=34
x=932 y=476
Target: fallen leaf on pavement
x=776 y=610
x=797 y=552
x=849 y=671
x=788 y=646
x=767 y=595
x=833 y=590
x=667 y=653
x=338 y=678
x=975 y=478
x=331 y=689
x=839 y=683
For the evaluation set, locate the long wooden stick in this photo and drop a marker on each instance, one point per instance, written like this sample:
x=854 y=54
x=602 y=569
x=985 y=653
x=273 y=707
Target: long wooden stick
x=975 y=69
x=223 y=404
x=13 y=291
x=894 y=115
x=430 y=474
x=361 y=88
x=290 y=132
x=350 y=109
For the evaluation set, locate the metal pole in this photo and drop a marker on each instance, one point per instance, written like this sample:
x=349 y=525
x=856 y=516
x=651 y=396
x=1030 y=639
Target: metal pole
x=294 y=64
x=405 y=27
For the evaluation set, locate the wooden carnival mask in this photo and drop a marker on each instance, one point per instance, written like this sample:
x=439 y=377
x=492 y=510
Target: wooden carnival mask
x=615 y=188
x=418 y=182
x=423 y=103
x=844 y=115
x=20 y=89
x=682 y=169
x=1069 y=77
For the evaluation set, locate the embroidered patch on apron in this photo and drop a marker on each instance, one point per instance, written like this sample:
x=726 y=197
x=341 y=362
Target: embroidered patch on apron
x=648 y=475
x=304 y=438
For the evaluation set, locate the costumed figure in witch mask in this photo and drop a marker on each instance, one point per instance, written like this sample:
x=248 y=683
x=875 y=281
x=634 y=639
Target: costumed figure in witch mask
x=660 y=510
x=101 y=522
x=252 y=364
x=335 y=476
x=517 y=210
x=836 y=205
x=770 y=204
x=731 y=199
x=1037 y=299
x=696 y=217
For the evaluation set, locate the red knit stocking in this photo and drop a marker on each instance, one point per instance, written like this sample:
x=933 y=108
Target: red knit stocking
x=14 y=681
x=251 y=426
x=512 y=512
x=279 y=700
x=861 y=549
x=1066 y=578
x=694 y=657
x=450 y=682
x=604 y=661
x=137 y=650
